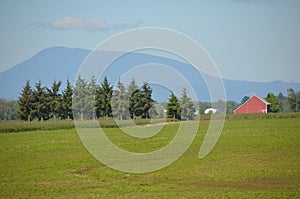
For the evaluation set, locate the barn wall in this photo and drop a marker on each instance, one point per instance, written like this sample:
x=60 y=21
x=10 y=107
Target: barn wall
x=254 y=105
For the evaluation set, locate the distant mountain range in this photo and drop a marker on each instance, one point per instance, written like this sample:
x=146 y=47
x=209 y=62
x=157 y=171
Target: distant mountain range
x=61 y=63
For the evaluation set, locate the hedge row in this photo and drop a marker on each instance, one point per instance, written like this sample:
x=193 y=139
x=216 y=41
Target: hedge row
x=21 y=126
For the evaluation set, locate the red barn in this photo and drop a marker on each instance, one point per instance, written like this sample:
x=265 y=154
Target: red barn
x=254 y=104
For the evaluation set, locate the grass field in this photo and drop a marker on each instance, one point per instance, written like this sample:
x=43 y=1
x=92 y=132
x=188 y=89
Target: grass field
x=254 y=158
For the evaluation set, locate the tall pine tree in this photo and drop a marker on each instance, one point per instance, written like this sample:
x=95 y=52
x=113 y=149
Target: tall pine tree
x=103 y=99
x=134 y=95
x=81 y=99
x=132 y=87
x=54 y=99
x=135 y=104
x=187 y=106
x=298 y=101
x=41 y=102
x=146 y=100
x=244 y=99
x=292 y=99
x=173 y=107
x=281 y=99
x=25 y=102
x=65 y=108
x=120 y=102
x=92 y=91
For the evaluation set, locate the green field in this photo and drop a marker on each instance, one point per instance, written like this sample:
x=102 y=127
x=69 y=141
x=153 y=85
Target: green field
x=254 y=158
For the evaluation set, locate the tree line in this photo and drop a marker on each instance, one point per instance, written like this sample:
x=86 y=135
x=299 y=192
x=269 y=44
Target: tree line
x=44 y=103
x=88 y=100
x=92 y=101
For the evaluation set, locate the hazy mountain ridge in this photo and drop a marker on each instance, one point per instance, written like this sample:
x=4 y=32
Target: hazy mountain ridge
x=57 y=63
x=61 y=63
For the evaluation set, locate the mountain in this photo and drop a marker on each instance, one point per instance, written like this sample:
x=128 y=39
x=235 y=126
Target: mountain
x=57 y=63
x=235 y=90
x=61 y=63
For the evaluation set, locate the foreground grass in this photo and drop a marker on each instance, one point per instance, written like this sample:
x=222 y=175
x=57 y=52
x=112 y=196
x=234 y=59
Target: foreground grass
x=252 y=159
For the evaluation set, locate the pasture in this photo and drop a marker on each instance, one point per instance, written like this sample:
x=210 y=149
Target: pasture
x=254 y=158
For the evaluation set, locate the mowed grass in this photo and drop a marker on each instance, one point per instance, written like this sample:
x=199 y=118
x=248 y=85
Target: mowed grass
x=252 y=159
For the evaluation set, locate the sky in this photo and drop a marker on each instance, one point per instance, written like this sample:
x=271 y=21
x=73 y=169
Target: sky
x=255 y=40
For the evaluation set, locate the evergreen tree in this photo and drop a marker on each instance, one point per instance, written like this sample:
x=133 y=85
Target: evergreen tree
x=134 y=95
x=292 y=99
x=298 y=101
x=146 y=100
x=65 y=110
x=103 y=99
x=140 y=101
x=281 y=98
x=187 y=106
x=173 y=107
x=25 y=102
x=106 y=99
x=41 y=103
x=98 y=102
x=244 y=99
x=81 y=98
x=274 y=106
x=135 y=104
x=132 y=87
x=92 y=90
x=54 y=99
x=120 y=102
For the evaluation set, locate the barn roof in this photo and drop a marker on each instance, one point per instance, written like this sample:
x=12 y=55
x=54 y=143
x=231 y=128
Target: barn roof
x=264 y=101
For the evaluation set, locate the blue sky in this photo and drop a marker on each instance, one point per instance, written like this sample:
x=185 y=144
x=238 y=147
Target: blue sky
x=256 y=40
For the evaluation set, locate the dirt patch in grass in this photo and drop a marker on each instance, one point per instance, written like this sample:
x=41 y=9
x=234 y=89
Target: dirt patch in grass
x=265 y=184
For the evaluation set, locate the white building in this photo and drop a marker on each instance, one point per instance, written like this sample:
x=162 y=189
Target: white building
x=210 y=110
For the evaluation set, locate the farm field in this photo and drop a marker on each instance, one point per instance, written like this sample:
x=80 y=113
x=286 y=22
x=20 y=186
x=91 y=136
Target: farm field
x=254 y=158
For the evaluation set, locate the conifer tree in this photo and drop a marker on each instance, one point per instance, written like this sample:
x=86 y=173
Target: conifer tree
x=292 y=99
x=54 y=99
x=41 y=102
x=298 y=101
x=120 y=102
x=98 y=102
x=81 y=97
x=173 y=107
x=187 y=106
x=132 y=87
x=146 y=100
x=65 y=108
x=92 y=90
x=103 y=99
x=135 y=104
x=25 y=102
x=134 y=95
x=281 y=98
x=244 y=99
